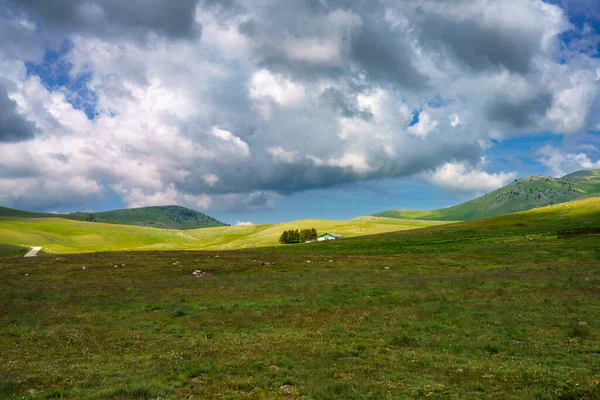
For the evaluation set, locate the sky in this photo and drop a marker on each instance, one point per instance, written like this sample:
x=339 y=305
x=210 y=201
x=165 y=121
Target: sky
x=267 y=111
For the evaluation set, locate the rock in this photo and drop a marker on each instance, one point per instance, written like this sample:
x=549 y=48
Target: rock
x=116 y=266
x=583 y=323
x=386 y=268
x=330 y=260
x=286 y=389
x=308 y=261
x=122 y=265
x=488 y=376
x=84 y=267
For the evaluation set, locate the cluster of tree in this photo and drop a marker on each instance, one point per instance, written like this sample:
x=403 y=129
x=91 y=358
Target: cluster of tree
x=296 y=236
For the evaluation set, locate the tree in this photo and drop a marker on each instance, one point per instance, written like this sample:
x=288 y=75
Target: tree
x=284 y=238
x=296 y=236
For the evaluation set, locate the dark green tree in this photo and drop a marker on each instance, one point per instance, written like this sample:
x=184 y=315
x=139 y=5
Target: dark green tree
x=284 y=238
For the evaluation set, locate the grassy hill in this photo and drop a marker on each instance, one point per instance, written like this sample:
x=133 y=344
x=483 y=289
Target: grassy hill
x=494 y=234
x=67 y=236
x=523 y=194
x=169 y=217
x=499 y=308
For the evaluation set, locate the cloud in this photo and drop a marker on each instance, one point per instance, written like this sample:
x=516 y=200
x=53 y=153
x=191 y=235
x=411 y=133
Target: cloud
x=14 y=127
x=243 y=223
x=462 y=177
x=560 y=162
x=277 y=97
x=133 y=18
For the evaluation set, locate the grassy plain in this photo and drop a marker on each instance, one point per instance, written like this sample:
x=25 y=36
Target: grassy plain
x=65 y=236
x=498 y=308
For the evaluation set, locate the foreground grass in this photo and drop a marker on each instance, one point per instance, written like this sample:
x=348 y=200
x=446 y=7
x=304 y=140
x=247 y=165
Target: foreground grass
x=499 y=308
x=349 y=328
x=65 y=236
x=10 y=250
x=479 y=313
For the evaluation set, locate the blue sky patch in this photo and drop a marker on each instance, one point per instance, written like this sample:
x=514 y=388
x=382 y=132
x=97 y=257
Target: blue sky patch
x=55 y=74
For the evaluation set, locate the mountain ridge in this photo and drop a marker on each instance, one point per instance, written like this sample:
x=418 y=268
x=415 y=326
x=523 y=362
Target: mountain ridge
x=169 y=217
x=520 y=195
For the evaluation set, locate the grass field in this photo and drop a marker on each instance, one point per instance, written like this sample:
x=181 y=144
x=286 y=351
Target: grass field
x=10 y=250
x=499 y=308
x=65 y=236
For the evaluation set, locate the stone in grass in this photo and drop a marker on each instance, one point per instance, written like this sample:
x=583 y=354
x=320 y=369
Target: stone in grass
x=197 y=273
x=288 y=390
x=84 y=267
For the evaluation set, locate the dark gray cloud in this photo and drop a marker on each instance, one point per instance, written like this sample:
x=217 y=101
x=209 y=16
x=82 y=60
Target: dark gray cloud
x=172 y=19
x=13 y=126
x=385 y=57
x=479 y=46
x=519 y=114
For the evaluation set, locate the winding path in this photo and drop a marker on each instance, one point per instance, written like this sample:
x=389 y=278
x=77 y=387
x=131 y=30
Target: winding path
x=33 y=252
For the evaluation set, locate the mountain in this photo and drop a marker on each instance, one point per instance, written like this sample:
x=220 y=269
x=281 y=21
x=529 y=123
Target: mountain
x=169 y=217
x=520 y=195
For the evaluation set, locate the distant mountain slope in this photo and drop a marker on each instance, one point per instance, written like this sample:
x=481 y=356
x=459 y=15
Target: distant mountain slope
x=169 y=217
x=523 y=194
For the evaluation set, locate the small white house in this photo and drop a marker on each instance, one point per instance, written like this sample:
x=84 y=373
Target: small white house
x=329 y=236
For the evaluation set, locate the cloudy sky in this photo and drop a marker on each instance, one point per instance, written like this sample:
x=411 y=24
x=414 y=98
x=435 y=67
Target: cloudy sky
x=272 y=110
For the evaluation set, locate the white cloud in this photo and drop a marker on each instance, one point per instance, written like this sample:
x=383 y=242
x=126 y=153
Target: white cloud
x=560 y=162
x=454 y=120
x=282 y=155
x=135 y=197
x=243 y=223
x=210 y=179
x=266 y=87
x=460 y=176
x=237 y=145
x=425 y=125
x=571 y=107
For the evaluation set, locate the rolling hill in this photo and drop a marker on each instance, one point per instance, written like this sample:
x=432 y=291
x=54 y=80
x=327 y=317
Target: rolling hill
x=538 y=229
x=521 y=195
x=168 y=217
x=59 y=235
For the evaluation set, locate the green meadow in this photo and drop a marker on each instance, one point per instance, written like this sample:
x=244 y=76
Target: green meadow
x=500 y=308
x=57 y=235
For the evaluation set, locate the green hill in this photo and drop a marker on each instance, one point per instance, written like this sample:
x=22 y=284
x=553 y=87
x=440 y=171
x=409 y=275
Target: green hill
x=59 y=235
x=503 y=236
x=168 y=217
x=520 y=195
